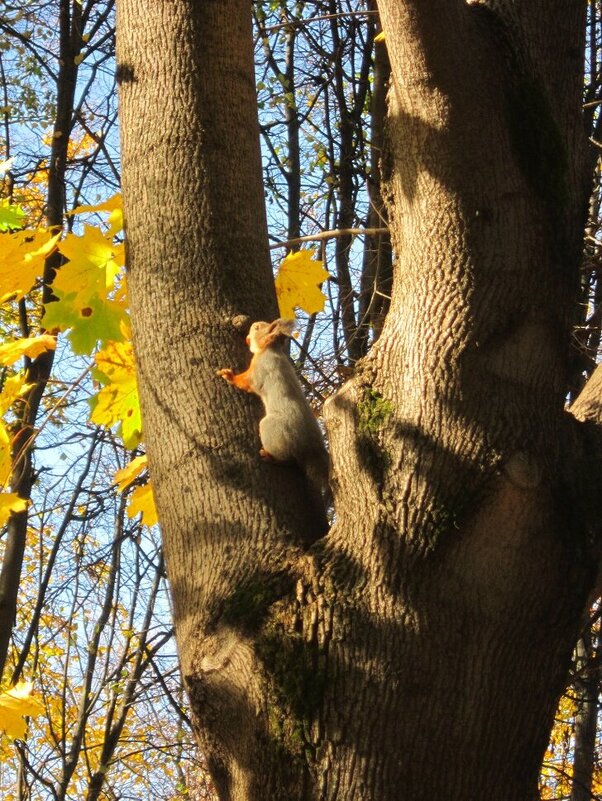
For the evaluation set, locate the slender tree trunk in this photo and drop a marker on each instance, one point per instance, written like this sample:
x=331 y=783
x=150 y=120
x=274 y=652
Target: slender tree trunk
x=377 y=269
x=418 y=650
x=587 y=687
x=39 y=369
x=344 y=194
x=293 y=125
x=349 y=113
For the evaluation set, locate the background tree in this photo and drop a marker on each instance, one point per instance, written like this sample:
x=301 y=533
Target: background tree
x=420 y=646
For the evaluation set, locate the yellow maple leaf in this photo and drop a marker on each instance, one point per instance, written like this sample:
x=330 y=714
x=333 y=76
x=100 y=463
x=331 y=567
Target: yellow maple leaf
x=124 y=477
x=22 y=261
x=14 y=387
x=15 y=705
x=297 y=284
x=116 y=221
x=113 y=205
x=28 y=346
x=117 y=401
x=10 y=502
x=5 y=455
x=142 y=501
x=94 y=262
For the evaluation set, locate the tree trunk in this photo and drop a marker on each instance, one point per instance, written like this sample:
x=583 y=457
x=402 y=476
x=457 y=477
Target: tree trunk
x=40 y=368
x=377 y=268
x=418 y=650
x=586 y=687
x=198 y=260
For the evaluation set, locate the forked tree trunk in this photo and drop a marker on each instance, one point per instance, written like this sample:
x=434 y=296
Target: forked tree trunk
x=418 y=650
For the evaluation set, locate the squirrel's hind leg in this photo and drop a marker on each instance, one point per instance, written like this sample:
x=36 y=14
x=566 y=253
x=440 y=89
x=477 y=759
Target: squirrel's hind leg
x=267 y=456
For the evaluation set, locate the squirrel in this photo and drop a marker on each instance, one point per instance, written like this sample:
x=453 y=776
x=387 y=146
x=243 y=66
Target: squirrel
x=289 y=432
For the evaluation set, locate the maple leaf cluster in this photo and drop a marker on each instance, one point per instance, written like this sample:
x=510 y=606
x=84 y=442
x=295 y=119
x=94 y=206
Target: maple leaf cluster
x=90 y=308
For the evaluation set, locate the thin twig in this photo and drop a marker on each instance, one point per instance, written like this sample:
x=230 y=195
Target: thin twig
x=329 y=235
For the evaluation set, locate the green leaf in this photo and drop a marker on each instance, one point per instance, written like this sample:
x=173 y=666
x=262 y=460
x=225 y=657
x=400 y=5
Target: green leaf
x=99 y=321
x=11 y=216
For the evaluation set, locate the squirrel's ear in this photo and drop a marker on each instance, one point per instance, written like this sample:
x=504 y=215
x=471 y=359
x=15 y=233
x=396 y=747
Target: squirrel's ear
x=273 y=334
x=286 y=326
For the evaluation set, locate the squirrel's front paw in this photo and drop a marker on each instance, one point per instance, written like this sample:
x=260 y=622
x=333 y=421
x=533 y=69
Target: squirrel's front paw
x=226 y=373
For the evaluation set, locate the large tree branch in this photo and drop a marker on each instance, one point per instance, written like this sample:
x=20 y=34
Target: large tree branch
x=588 y=405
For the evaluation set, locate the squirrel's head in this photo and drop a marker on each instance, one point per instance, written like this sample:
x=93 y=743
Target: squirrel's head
x=263 y=335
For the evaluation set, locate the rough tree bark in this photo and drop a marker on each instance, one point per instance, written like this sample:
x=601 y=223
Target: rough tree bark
x=417 y=651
